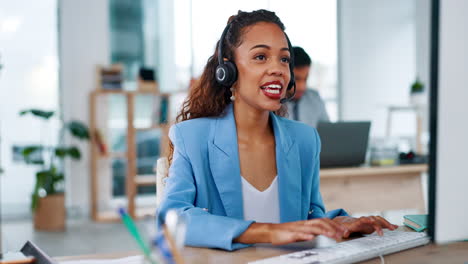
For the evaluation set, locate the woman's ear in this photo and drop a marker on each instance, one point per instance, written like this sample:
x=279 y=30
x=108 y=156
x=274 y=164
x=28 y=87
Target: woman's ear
x=234 y=86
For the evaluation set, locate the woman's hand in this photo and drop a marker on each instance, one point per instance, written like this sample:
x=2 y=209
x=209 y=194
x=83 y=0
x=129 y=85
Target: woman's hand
x=284 y=233
x=363 y=225
x=305 y=230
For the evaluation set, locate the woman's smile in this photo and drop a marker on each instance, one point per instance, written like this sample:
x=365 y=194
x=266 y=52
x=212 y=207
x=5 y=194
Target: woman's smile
x=272 y=89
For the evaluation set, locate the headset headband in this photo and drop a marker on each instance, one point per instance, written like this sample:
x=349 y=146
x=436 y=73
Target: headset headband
x=221 y=43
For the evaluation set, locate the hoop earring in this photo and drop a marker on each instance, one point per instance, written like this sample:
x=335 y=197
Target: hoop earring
x=233 y=98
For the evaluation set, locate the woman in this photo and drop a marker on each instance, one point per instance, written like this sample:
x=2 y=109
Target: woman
x=240 y=173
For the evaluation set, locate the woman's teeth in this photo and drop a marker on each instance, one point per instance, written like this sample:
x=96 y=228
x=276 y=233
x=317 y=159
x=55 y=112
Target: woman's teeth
x=272 y=91
x=272 y=86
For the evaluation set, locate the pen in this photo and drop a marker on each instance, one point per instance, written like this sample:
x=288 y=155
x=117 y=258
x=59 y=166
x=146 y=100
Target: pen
x=130 y=225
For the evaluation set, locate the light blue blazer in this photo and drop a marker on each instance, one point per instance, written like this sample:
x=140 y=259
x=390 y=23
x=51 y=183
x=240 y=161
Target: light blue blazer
x=204 y=183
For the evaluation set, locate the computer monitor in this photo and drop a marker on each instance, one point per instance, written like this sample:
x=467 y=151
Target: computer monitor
x=448 y=173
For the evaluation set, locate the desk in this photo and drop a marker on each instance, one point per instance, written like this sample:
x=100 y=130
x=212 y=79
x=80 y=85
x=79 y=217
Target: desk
x=450 y=253
x=373 y=189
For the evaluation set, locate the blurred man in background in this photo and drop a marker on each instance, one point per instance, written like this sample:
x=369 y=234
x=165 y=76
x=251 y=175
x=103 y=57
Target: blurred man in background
x=307 y=105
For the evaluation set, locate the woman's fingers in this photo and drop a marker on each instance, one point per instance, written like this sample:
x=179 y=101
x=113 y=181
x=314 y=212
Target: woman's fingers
x=376 y=225
x=304 y=236
x=384 y=223
x=367 y=225
x=327 y=227
x=307 y=230
x=316 y=229
x=283 y=234
x=370 y=224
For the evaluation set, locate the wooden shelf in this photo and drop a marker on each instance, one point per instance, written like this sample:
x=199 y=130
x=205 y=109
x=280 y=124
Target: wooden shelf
x=145 y=180
x=160 y=126
x=132 y=180
x=374 y=171
x=124 y=92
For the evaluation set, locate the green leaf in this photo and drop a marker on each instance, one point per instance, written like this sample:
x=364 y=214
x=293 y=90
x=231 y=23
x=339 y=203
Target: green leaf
x=35 y=162
x=39 y=113
x=61 y=152
x=28 y=150
x=41 y=176
x=78 y=130
x=58 y=177
x=74 y=152
x=53 y=170
x=34 y=200
x=32 y=159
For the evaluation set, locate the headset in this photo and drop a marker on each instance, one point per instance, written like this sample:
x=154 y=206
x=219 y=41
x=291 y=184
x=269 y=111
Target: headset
x=226 y=71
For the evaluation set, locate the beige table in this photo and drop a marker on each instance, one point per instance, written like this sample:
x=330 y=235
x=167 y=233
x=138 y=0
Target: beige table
x=450 y=253
x=373 y=189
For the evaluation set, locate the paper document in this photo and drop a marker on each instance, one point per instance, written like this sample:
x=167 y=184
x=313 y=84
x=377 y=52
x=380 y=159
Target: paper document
x=127 y=260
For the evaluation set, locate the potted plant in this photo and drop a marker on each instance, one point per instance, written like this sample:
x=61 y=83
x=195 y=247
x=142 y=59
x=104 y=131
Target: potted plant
x=417 y=97
x=48 y=200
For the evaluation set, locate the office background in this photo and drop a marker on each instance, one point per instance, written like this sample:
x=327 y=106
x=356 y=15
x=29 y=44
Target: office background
x=366 y=55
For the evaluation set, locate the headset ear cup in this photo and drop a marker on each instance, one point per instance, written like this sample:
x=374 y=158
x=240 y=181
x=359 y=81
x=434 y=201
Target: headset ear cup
x=231 y=77
x=226 y=74
x=221 y=74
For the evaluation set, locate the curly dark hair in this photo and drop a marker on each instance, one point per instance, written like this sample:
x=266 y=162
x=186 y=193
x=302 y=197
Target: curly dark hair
x=207 y=98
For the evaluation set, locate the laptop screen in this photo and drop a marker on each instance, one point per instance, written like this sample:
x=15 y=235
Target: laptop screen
x=343 y=143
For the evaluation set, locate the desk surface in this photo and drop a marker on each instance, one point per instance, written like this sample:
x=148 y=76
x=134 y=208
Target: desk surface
x=450 y=253
x=366 y=171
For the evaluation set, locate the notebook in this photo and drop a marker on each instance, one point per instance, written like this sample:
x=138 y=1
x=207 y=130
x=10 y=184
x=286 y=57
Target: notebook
x=416 y=222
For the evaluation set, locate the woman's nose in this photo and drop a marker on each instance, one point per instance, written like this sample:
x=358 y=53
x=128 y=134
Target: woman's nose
x=276 y=69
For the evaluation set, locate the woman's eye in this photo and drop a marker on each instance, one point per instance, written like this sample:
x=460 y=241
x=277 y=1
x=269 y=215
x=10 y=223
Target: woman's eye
x=285 y=59
x=260 y=57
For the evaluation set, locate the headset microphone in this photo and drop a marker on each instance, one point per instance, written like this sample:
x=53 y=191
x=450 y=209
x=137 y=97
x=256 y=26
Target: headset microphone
x=289 y=98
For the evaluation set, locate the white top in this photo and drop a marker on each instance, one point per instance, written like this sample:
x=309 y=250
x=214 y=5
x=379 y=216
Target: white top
x=262 y=207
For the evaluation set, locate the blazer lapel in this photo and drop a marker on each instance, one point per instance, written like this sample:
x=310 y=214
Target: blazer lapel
x=289 y=173
x=224 y=164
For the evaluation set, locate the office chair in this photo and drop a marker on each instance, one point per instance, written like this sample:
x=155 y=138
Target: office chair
x=162 y=172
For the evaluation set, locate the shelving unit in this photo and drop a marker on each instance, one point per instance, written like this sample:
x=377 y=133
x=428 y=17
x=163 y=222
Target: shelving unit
x=132 y=180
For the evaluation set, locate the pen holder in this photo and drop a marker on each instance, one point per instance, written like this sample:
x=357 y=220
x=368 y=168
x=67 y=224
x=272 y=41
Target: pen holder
x=169 y=240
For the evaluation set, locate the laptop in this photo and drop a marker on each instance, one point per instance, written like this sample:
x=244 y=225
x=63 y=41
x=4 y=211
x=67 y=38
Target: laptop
x=344 y=144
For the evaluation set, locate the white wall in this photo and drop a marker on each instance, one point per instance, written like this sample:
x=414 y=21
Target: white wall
x=167 y=67
x=376 y=49
x=84 y=43
x=423 y=26
x=452 y=131
x=29 y=79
